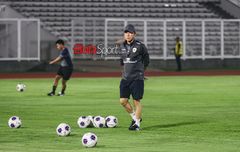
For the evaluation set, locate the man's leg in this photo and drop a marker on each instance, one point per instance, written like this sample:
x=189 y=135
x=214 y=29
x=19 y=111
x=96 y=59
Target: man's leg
x=64 y=85
x=57 y=78
x=127 y=106
x=136 y=124
x=124 y=95
x=138 y=112
x=178 y=60
x=180 y=66
x=67 y=72
x=55 y=84
x=137 y=90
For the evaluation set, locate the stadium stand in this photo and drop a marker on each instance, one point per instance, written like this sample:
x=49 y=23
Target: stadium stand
x=57 y=17
x=56 y=14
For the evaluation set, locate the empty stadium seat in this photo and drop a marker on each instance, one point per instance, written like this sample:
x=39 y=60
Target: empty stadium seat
x=56 y=16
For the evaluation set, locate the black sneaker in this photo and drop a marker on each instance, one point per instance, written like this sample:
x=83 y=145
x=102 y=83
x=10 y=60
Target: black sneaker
x=133 y=122
x=51 y=94
x=134 y=127
x=60 y=94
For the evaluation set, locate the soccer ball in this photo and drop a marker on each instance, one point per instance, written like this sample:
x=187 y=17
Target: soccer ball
x=99 y=122
x=21 y=87
x=14 y=122
x=91 y=120
x=63 y=129
x=111 y=121
x=83 y=122
x=89 y=140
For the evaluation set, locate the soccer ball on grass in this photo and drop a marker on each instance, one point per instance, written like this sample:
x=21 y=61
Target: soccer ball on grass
x=63 y=129
x=99 y=122
x=111 y=121
x=14 y=122
x=83 y=121
x=21 y=87
x=89 y=140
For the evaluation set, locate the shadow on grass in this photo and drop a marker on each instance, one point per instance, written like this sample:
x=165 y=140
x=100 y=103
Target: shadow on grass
x=172 y=125
x=99 y=146
x=72 y=135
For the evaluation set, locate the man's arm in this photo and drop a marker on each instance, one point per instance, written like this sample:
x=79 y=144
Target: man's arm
x=121 y=61
x=56 y=60
x=120 y=52
x=145 y=57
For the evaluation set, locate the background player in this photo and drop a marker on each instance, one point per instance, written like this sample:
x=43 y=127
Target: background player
x=178 y=53
x=65 y=69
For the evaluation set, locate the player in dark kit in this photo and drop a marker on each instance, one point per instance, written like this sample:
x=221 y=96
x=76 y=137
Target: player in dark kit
x=134 y=59
x=65 y=69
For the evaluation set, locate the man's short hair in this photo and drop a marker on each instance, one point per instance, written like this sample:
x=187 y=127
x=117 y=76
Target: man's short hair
x=60 y=41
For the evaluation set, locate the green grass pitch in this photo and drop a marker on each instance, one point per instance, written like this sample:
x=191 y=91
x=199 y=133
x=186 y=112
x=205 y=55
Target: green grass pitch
x=180 y=114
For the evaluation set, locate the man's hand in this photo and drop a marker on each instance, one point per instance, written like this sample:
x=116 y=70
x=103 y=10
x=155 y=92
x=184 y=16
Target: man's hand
x=51 y=62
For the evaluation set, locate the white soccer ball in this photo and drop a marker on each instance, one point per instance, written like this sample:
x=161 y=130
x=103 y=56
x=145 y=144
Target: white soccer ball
x=83 y=121
x=91 y=120
x=21 y=87
x=111 y=121
x=99 y=122
x=14 y=122
x=63 y=129
x=89 y=140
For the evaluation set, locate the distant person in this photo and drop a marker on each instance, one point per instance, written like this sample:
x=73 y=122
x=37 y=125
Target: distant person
x=65 y=70
x=134 y=59
x=178 y=53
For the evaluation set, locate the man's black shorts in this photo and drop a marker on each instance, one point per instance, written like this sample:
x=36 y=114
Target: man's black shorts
x=65 y=72
x=133 y=87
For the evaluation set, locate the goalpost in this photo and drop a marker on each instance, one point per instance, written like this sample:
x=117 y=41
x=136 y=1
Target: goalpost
x=19 y=39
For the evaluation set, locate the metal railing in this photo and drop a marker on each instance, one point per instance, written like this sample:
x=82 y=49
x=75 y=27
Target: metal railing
x=19 y=39
x=202 y=39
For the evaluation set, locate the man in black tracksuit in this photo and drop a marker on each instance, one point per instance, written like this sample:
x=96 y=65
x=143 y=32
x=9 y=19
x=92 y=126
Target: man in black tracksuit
x=134 y=59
